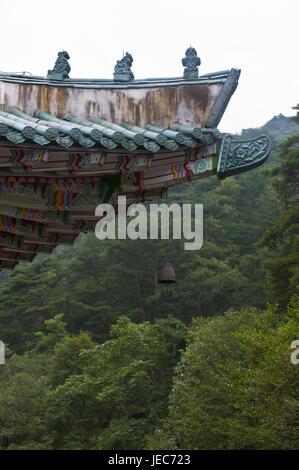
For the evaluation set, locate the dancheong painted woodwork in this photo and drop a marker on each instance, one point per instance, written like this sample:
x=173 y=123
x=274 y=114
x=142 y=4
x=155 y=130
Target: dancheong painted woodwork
x=67 y=145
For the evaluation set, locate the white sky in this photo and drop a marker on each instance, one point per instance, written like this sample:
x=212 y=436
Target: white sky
x=259 y=37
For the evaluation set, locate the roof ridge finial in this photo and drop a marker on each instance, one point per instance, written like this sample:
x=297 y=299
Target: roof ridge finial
x=191 y=62
x=122 y=69
x=61 y=68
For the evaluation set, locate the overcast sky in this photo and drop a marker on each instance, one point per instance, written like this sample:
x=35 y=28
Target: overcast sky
x=259 y=36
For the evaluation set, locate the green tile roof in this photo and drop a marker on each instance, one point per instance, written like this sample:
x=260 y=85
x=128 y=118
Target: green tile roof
x=44 y=129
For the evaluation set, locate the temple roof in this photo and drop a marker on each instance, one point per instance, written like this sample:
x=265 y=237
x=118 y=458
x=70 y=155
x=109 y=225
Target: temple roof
x=68 y=145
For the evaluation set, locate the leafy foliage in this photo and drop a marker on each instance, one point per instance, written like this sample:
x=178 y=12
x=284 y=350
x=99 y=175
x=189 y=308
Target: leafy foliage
x=235 y=387
x=283 y=237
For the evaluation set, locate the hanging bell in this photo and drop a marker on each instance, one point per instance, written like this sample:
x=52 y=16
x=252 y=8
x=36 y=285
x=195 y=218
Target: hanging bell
x=166 y=274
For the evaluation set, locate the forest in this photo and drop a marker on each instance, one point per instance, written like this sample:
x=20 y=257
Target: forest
x=101 y=357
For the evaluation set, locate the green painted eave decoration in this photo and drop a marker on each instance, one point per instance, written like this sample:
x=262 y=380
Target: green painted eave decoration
x=237 y=156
